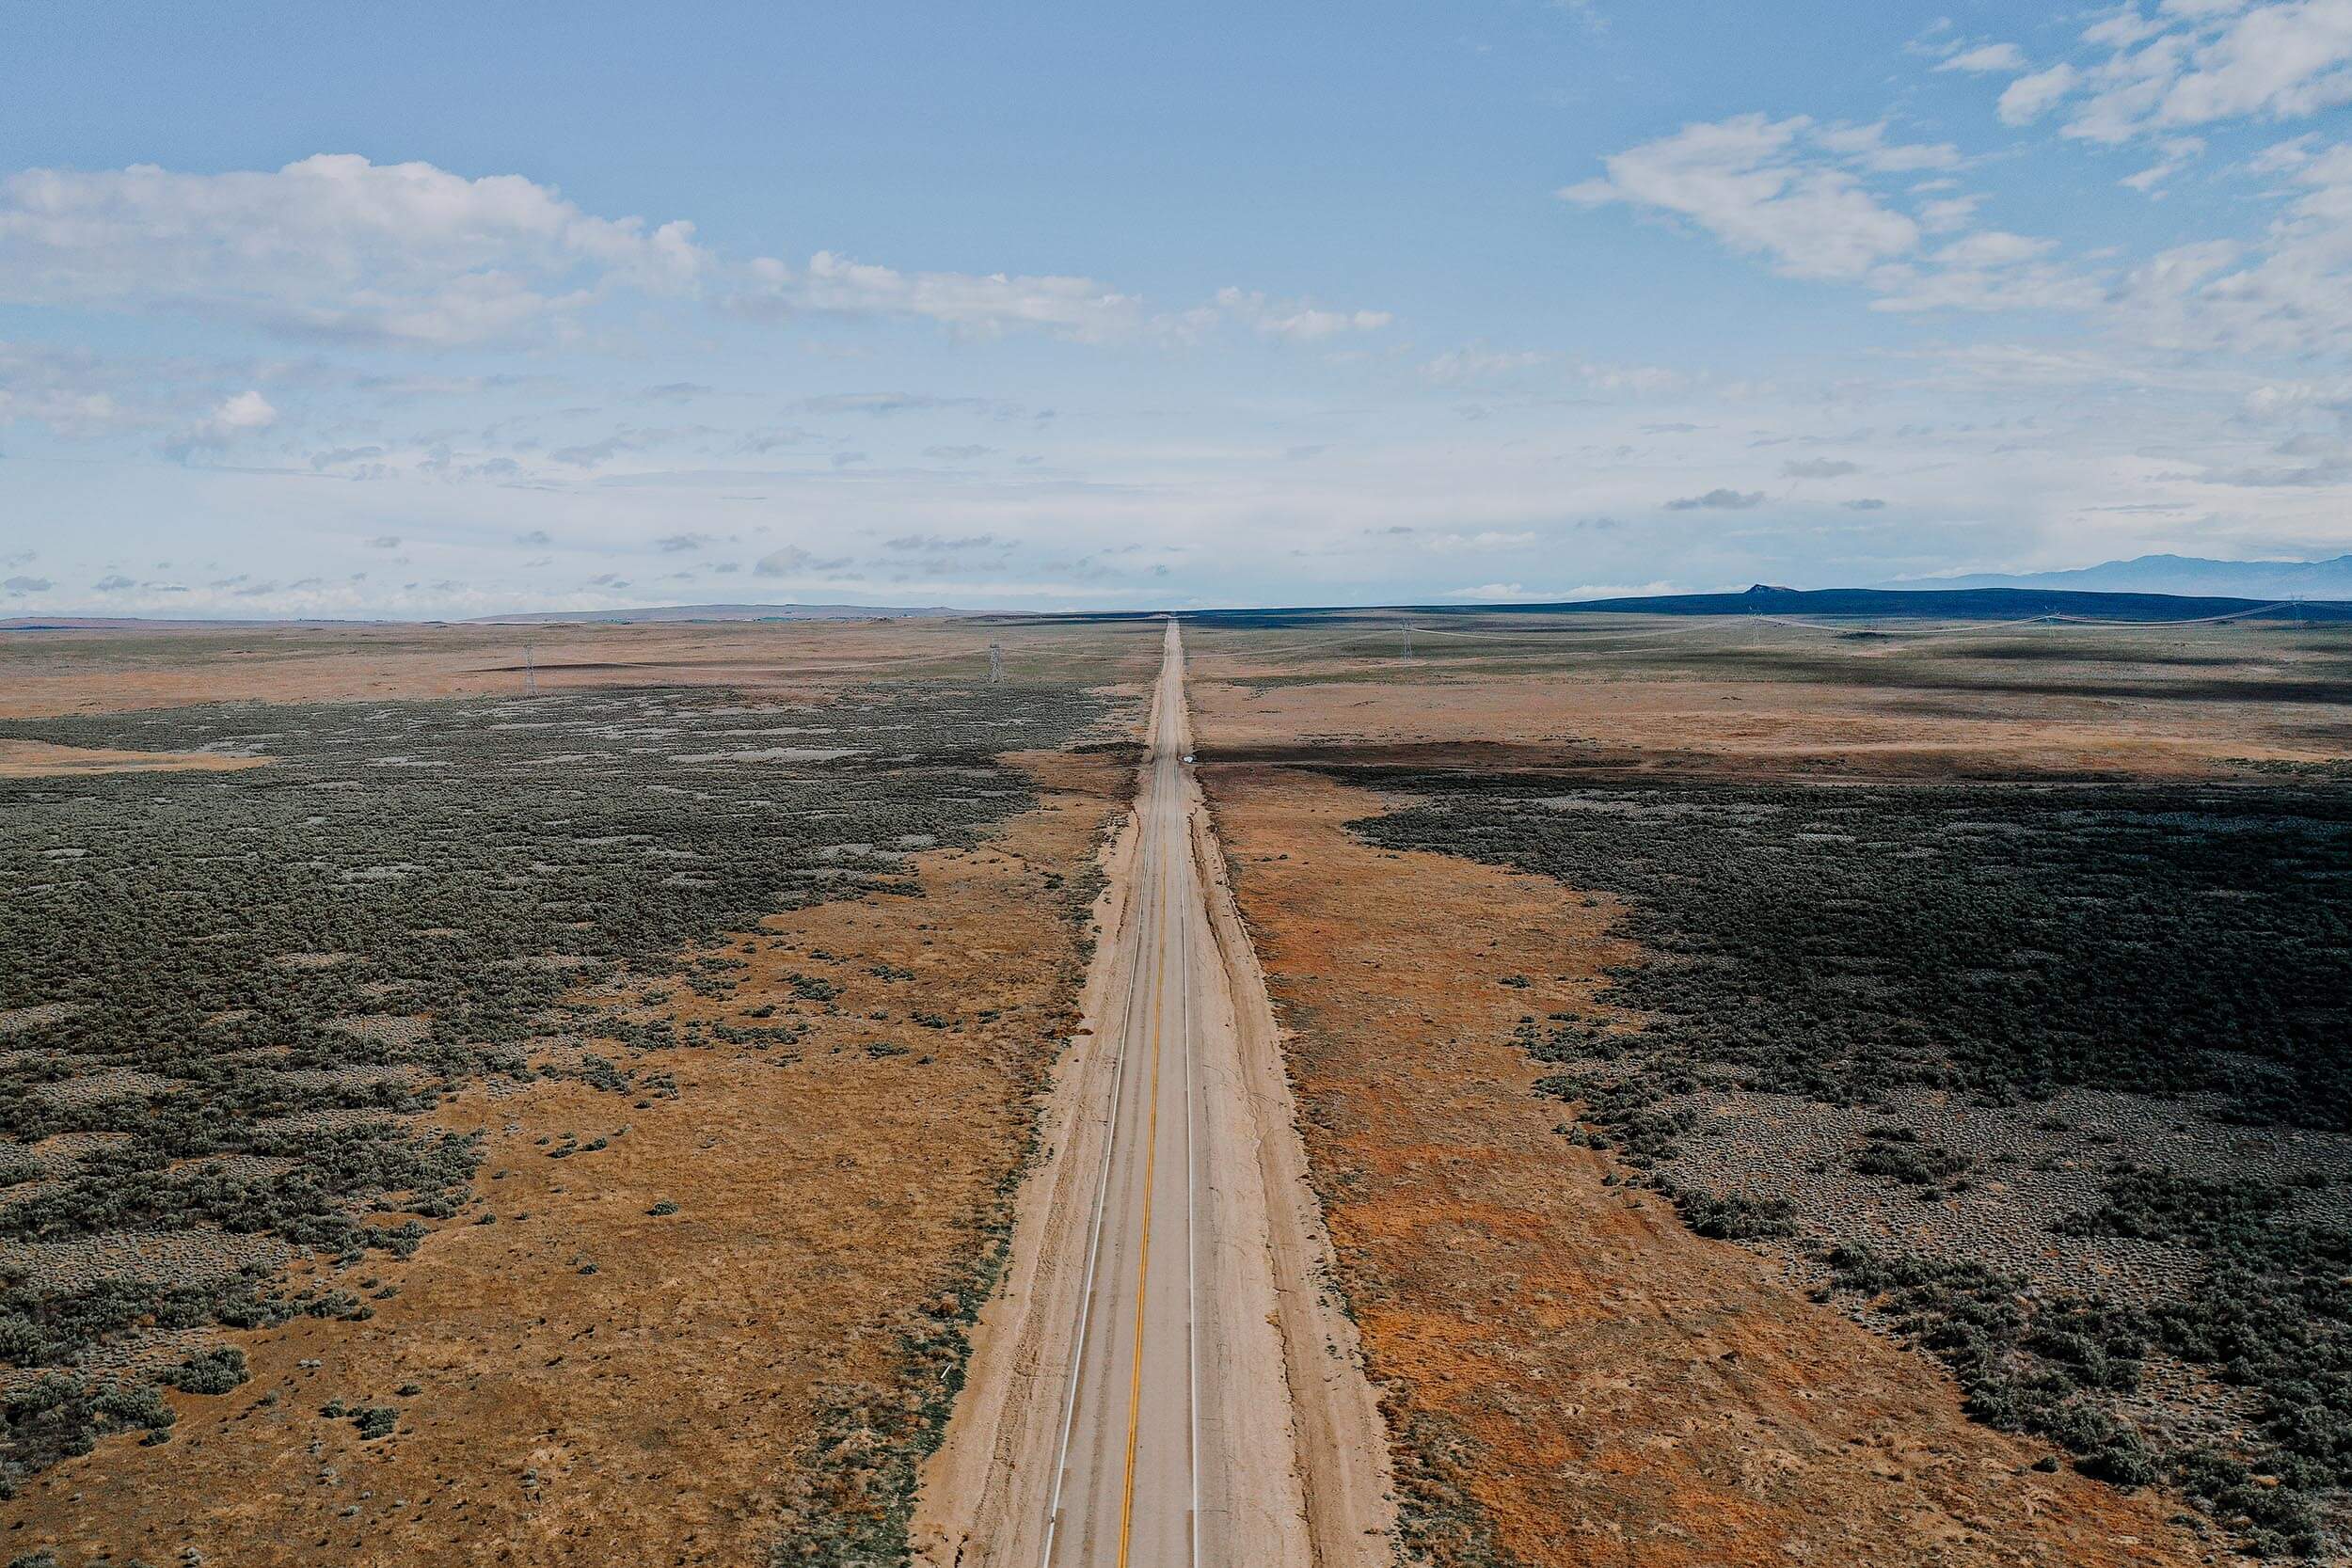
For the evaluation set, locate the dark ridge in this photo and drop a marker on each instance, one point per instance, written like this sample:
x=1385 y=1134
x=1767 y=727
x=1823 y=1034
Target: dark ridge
x=1964 y=604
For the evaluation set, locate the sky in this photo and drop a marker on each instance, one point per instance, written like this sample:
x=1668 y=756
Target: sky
x=447 y=311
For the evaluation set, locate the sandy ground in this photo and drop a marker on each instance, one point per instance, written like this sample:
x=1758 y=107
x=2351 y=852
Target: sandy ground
x=1235 y=1399
x=657 y=1409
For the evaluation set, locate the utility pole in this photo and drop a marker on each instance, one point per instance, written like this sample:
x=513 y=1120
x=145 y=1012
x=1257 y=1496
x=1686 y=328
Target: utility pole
x=996 y=664
x=530 y=673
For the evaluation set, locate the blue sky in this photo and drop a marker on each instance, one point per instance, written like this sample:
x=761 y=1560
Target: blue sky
x=449 y=311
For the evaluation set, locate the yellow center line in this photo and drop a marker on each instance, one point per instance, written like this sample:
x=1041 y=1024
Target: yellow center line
x=1143 y=1265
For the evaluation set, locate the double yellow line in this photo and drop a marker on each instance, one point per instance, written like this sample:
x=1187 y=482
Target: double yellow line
x=1143 y=1264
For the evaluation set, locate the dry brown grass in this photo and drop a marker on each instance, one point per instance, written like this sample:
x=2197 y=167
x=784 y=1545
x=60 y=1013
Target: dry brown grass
x=1773 y=702
x=112 y=670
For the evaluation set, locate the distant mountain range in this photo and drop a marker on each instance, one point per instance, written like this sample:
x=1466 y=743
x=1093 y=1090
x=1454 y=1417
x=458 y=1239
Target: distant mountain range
x=1961 y=604
x=1767 y=600
x=2178 y=574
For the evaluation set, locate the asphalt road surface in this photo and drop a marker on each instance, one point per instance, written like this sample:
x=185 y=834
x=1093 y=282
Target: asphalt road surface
x=1129 y=1487
x=1162 y=1384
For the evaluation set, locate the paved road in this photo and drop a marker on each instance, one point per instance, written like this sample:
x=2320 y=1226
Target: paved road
x=1160 y=1382
x=1129 y=1481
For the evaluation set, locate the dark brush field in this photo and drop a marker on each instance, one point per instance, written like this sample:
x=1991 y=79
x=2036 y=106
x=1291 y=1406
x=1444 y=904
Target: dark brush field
x=1994 y=986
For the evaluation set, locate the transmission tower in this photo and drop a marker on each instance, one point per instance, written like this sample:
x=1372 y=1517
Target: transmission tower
x=1408 y=644
x=530 y=673
x=996 y=664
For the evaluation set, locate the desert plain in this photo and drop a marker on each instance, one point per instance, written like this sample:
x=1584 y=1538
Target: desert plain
x=1775 y=1091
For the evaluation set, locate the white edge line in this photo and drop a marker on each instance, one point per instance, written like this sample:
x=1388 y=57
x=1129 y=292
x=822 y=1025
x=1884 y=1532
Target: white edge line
x=1102 y=1192
x=1192 y=1172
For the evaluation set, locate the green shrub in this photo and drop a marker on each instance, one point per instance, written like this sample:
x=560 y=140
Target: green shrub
x=211 y=1371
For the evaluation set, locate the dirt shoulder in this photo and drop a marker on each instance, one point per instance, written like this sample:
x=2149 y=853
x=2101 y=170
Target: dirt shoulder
x=1575 y=1377
x=591 y=1375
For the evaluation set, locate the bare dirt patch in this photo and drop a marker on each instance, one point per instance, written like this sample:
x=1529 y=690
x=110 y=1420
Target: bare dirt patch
x=39 y=759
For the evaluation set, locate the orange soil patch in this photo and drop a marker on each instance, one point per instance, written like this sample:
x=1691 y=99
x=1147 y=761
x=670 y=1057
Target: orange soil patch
x=36 y=759
x=1773 y=727
x=45 y=674
x=1617 y=1389
x=651 y=1411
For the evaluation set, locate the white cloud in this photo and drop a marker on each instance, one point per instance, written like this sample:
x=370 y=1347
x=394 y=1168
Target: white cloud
x=72 y=393
x=332 y=245
x=2278 y=61
x=2195 y=63
x=246 y=410
x=1718 y=500
x=335 y=246
x=1942 y=216
x=792 y=561
x=1986 y=57
x=242 y=413
x=1454 y=542
x=587 y=455
x=970 y=304
x=1293 y=321
x=1799 y=195
x=1869 y=149
x=2290 y=292
x=1476 y=364
x=1992 y=247
x=1751 y=181
x=2178 y=153
x=2028 y=98
x=1080 y=309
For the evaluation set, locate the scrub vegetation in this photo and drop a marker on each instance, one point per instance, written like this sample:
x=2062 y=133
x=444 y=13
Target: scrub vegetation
x=2053 y=1079
x=228 y=1000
